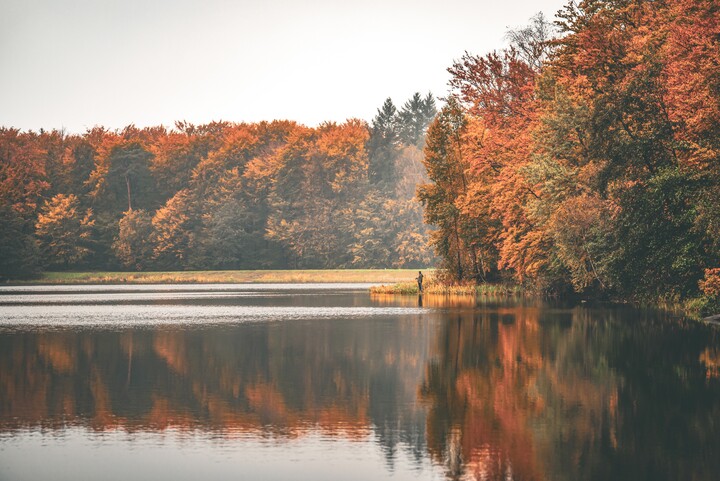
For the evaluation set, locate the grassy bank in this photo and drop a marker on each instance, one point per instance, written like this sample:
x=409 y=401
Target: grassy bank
x=231 y=277
x=433 y=287
x=703 y=308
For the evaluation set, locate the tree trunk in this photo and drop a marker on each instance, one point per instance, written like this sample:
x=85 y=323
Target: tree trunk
x=127 y=183
x=457 y=249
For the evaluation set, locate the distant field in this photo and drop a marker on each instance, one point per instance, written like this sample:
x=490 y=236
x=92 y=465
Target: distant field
x=260 y=276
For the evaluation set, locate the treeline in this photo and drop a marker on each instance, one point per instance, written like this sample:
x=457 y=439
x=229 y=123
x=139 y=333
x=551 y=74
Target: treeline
x=586 y=156
x=217 y=196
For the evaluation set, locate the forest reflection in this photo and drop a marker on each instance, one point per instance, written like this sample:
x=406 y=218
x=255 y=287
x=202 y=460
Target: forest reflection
x=348 y=378
x=527 y=393
x=524 y=392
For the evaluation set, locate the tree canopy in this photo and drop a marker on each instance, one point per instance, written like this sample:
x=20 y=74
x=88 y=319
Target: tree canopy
x=585 y=156
x=217 y=196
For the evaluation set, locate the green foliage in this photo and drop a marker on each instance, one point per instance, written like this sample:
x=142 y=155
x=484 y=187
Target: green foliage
x=661 y=251
x=134 y=244
x=383 y=146
x=128 y=177
x=414 y=118
x=228 y=240
x=19 y=253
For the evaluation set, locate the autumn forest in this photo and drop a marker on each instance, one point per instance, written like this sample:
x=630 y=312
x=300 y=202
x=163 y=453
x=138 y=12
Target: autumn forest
x=218 y=196
x=587 y=155
x=584 y=157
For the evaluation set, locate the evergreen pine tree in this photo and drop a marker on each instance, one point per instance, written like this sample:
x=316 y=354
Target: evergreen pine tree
x=382 y=146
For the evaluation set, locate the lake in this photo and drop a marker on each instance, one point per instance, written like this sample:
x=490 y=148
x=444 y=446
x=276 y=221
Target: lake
x=328 y=382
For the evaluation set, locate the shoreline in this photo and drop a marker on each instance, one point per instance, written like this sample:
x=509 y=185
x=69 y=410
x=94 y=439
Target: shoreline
x=399 y=282
x=688 y=308
x=301 y=276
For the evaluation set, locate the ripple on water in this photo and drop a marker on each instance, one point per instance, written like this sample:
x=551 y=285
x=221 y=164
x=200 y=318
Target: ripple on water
x=99 y=316
x=42 y=289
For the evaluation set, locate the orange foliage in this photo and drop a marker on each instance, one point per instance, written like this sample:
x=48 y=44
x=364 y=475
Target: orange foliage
x=556 y=152
x=58 y=353
x=690 y=72
x=22 y=171
x=710 y=285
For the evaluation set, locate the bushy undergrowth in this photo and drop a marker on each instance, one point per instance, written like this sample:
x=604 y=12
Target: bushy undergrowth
x=704 y=306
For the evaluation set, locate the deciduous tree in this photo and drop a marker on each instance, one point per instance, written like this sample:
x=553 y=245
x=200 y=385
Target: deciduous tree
x=64 y=232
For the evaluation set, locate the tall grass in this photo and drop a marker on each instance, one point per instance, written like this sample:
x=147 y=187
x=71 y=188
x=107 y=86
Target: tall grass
x=434 y=286
x=398 y=288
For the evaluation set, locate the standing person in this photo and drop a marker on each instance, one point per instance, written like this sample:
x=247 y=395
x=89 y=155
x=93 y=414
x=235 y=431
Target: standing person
x=419 y=279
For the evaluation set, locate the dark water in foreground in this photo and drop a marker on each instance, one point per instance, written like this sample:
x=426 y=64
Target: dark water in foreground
x=329 y=382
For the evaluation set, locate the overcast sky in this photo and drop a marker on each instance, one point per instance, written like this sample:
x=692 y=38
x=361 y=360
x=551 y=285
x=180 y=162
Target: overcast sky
x=74 y=64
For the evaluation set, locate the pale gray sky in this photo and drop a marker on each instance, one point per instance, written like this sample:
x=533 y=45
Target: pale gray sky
x=74 y=64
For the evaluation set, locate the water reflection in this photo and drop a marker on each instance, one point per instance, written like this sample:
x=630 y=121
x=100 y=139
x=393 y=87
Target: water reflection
x=496 y=389
x=279 y=379
x=530 y=393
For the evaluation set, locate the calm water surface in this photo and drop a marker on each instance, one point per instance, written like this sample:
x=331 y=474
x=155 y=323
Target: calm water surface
x=326 y=382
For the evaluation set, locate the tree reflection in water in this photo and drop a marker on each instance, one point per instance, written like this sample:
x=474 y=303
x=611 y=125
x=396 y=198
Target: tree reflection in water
x=527 y=393
x=496 y=389
x=345 y=378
